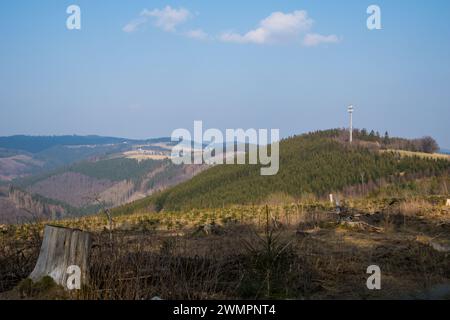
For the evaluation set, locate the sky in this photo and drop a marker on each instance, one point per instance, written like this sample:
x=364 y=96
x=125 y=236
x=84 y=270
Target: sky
x=141 y=69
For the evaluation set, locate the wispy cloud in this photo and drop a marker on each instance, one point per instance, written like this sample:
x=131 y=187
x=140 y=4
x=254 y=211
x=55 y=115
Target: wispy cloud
x=314 y=39
x=197 y=34
x=167 y=19
x=134 y=25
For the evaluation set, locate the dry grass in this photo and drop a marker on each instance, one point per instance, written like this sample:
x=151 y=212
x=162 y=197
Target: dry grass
x=295 y=251
x=415 y=208
x=18 y=255
x=424 y=155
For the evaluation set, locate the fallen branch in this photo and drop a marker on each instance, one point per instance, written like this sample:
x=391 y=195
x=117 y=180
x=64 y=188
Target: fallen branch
x=361 y=226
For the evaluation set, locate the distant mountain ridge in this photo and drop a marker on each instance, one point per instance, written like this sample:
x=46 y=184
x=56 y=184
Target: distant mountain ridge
x=35 y=144
x=22 y=155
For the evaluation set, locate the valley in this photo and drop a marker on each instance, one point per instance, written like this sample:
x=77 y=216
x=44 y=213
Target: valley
x=82 y=179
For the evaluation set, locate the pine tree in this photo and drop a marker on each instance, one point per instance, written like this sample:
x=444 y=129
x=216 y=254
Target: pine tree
x=386 y=138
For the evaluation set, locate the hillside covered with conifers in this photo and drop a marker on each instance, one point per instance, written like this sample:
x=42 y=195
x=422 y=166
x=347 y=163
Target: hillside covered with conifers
x=316 y=164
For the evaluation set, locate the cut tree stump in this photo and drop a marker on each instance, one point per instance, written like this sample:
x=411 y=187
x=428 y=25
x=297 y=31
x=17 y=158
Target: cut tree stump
x=61 y=248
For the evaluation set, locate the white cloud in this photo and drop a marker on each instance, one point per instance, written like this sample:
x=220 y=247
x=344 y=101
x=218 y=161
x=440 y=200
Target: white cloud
x=168 y=18
x=282 y=27
x=314 y=39
x=197 y=34
x=276 y=28
x=134 y=25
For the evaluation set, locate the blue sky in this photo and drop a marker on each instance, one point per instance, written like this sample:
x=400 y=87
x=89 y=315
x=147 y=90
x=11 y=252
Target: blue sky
x=221 y=62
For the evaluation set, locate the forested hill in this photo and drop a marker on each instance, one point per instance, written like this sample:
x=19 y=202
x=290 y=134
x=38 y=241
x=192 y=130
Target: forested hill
x=317 y=163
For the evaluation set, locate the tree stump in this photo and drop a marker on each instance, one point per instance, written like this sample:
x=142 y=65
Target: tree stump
x=61 y=248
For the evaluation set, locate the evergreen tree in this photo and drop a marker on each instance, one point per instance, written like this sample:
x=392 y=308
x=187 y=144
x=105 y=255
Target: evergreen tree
x=386 y=138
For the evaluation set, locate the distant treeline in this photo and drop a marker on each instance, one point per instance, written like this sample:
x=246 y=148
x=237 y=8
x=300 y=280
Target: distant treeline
x=425 y=144
x=35 y=144
x=116 y=169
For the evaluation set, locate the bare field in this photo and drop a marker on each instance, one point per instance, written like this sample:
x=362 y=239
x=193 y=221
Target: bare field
x=139 y=156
